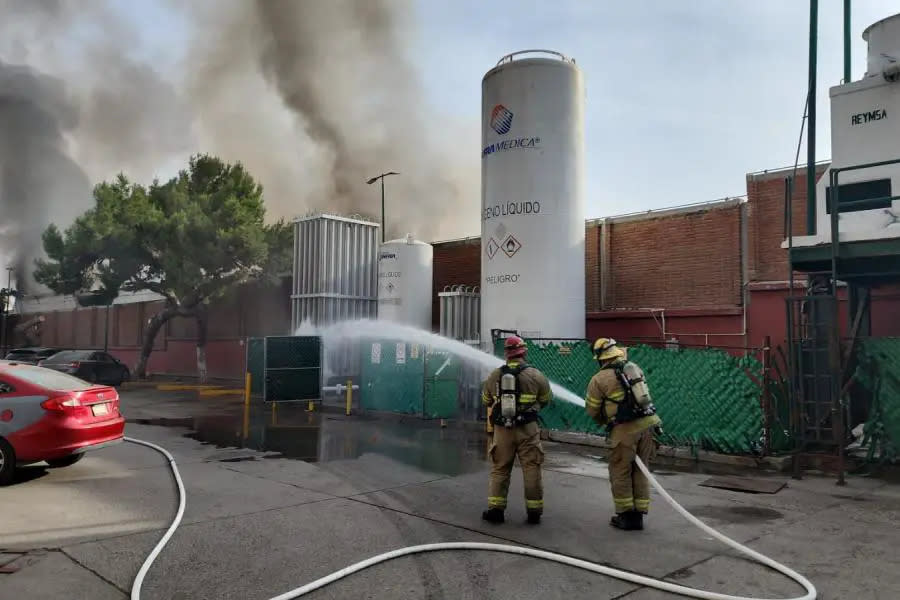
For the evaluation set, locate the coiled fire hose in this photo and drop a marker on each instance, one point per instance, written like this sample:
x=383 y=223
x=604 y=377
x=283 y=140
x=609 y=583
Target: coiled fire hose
x=665 y=586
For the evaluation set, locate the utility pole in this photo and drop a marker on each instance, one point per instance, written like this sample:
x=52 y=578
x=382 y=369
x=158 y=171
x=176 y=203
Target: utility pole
x=811 y=120
x=847 y=74
x=370 y=182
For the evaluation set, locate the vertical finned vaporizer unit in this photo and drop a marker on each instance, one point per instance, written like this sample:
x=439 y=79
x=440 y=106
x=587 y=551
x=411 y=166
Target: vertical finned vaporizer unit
x=335 y=270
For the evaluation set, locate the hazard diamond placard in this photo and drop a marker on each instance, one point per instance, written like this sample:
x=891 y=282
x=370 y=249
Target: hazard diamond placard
x=511 y=245
x=492 y=247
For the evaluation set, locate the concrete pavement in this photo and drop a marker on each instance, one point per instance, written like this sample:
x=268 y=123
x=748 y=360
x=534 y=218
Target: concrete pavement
x=258 y=524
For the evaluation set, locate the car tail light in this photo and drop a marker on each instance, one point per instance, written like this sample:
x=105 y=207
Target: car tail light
x=74 y=364
x=61 y=403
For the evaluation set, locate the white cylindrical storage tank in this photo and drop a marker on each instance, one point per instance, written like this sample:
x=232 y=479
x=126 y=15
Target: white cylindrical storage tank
x=883 y=38
x=532 y=197
x=405 y=270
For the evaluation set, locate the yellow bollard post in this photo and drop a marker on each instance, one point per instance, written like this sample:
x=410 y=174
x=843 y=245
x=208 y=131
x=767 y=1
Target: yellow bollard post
x=247 y=388
x=311 y=406
x=349 y=396
x=489 y=425
x=274 y=419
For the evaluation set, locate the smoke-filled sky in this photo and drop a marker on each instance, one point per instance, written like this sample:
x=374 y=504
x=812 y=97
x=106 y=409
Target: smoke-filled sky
x=683 y=98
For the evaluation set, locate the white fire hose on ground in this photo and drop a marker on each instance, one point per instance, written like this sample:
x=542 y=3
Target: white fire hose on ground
x=477 y=546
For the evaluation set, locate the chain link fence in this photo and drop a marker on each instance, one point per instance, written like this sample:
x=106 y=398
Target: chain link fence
x=708 y=398
x=878 y=372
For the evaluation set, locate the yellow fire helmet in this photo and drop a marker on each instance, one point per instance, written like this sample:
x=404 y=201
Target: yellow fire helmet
x=607 y=349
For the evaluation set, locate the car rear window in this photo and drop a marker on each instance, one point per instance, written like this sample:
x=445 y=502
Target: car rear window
x=53 y=380
x=19 y=354
x=69 y=356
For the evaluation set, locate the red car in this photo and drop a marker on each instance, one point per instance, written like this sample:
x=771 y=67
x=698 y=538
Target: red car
x=50 y=416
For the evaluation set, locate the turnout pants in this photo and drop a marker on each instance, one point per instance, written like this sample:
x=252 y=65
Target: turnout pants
x=630 y=488
x=523 y=441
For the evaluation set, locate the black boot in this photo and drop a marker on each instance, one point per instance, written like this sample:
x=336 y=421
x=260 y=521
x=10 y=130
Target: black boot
x=534 y=517
x=627 y=521
x=493 y=515
x=637 y=520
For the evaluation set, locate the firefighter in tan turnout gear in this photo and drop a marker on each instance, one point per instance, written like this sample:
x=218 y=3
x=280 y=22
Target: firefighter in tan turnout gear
x=515 y=393
x=618 y=398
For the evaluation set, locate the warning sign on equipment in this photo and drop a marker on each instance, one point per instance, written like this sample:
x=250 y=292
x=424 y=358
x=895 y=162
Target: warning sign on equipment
x=492 y=247
x=511 y=245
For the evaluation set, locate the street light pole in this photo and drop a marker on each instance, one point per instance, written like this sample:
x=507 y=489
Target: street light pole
x=6 y=294
x=370 y=182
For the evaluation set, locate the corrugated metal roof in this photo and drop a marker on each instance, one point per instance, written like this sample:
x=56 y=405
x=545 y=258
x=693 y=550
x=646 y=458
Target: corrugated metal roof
x=40 y=304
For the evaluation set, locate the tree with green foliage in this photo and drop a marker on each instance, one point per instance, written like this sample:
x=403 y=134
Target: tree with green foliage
x=190 y=240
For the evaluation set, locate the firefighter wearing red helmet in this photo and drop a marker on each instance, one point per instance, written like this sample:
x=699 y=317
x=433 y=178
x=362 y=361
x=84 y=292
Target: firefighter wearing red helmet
x=516 y=392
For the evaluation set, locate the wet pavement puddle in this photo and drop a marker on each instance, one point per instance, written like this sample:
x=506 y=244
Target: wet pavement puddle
x=290 y=431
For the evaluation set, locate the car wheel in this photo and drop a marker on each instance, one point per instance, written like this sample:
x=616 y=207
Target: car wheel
x=7 y=462
x=66 y=461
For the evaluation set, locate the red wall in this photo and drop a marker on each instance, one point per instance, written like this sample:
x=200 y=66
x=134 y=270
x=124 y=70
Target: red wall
x=886 y=311
x=691 y=327
x=252 y=311
x=224 y=358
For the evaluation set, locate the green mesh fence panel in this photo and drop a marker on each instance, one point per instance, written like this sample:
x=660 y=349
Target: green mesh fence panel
x=441 y=385
x=878 y=372
x=255 y=364
x=393 y=377
x=781 y=434
x=293 y=368
x=707 y=398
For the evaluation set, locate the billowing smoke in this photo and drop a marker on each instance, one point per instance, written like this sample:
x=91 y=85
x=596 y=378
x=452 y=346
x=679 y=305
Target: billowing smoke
x=347 y=106
x=39 y=182
x=314 y=97
x=72 y=114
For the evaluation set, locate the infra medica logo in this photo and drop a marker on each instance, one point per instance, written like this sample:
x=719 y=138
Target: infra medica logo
x=501 y=119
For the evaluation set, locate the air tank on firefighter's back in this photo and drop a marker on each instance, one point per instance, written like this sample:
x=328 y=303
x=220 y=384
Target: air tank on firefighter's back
x=532 y=197
x=405 y=269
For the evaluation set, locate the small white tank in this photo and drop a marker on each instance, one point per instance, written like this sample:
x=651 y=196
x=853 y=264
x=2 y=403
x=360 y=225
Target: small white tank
x=405 y=271
x=883 y=38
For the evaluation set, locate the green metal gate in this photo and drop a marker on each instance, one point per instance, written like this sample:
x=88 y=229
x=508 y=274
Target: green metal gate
x=441 y=386
x=293 y=368
x=393 y=377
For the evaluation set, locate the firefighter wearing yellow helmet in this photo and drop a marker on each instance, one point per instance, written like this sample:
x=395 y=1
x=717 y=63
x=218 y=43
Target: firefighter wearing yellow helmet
x=618 y=398
x=515 y=393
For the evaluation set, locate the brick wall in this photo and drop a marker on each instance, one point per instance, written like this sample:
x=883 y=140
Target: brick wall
x=592 y=251
x=457 y=262
x=766 y=221
x=681 y=260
